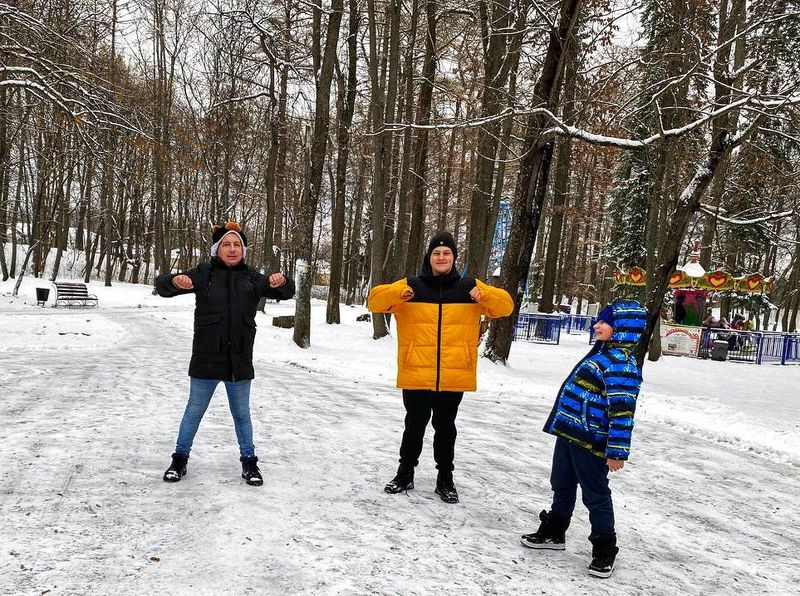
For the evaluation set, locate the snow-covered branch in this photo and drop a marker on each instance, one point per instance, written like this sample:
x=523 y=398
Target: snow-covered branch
x=717 y=212
x=85 y=98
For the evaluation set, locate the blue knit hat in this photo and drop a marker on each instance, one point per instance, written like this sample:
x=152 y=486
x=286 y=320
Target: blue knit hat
x=606 y=315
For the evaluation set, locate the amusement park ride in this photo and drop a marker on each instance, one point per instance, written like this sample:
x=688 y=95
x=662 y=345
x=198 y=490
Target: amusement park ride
x=501 y=232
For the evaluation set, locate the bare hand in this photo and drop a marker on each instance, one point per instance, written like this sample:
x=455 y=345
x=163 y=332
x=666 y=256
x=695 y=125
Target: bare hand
x=407 y=294
x=276 y=280
x=615 y=465
x=183 y=282
x=475 y=294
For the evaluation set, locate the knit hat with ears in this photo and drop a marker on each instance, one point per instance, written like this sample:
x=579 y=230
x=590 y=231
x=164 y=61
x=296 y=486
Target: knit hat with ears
x=219 y=232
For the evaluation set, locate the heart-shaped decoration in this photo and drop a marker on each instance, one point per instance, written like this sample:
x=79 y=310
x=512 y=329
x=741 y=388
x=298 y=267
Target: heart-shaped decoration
x=636 y=274
x=754 y=281
x=676 y=277
x=718 y=279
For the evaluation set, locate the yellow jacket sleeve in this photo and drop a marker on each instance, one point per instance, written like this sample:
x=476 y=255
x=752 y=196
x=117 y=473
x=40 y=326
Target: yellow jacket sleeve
x=496 y=302
x=386 y=297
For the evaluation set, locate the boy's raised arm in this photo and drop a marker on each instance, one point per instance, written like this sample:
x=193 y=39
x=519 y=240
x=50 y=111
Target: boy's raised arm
x=496 y=302
x=385 y=297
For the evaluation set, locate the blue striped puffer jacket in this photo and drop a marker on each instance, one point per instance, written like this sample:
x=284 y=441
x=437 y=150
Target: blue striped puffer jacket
x=595 y=405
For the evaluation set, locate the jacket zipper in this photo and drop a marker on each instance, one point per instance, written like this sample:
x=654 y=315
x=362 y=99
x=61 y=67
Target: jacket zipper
x=585 y=413
x=439 y=341
x=230 y=321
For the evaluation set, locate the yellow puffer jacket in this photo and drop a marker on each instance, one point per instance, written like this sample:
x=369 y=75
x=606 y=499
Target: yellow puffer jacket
x=438 y=328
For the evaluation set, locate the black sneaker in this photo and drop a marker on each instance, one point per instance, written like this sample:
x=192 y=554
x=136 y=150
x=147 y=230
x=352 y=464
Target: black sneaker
x=550 y=535
x=177 y=469
x=250 y=471
x=604 y=553
x=403 y=481
x=445 y=487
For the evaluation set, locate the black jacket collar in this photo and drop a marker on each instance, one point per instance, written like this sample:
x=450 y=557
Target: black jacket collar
x=217 y=263
x=445 y=280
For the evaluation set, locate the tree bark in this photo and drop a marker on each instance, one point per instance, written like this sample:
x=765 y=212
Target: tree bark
x=304 y=240
x=347 y=95
x=419 y=174
x=500 y=55
x=531 y=184
x=560 y=186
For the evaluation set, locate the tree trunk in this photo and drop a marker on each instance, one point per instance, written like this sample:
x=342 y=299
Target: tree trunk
x=500 y=52
x=379 y=182
x=418 y=181
x=304 y=241
x=531 y=184
x=687 y=206
x=402 y=229
x=347 y=97
x=560 y=186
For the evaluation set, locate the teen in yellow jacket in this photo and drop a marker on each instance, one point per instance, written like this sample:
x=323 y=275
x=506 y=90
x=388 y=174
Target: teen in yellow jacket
x=438 y=324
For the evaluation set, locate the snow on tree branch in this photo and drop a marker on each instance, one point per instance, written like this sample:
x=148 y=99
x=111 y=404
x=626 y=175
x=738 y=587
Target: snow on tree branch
x=716 y=212
x=560 y=128
x=83 y=97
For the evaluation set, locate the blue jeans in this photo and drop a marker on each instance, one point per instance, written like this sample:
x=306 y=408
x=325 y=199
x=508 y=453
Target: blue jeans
x=200 y=392
x=573 y=465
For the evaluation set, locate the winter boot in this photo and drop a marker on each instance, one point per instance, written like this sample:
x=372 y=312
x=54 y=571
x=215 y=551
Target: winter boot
x=403 y=481
x=177 y=469
x=604 y=551
x=445 y=487
x=250 y=471
x=550 y=534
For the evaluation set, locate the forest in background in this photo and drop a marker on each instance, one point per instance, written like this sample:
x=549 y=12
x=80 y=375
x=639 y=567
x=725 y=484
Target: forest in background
x=342 y=135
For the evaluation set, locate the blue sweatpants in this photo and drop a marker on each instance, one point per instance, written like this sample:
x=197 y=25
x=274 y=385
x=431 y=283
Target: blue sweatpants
x=573 y=466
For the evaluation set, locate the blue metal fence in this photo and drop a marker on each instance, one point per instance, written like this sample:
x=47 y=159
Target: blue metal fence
x=757 y=347
x=576 y=323
x=771 y=349
x=791 y=349
x=742 y=346
x=783 y=348
x=538 y=328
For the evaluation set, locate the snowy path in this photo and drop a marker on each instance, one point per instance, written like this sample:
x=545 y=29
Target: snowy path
x=85 y=434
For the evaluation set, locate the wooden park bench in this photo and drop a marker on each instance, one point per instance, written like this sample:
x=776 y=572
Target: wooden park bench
x=73 y=294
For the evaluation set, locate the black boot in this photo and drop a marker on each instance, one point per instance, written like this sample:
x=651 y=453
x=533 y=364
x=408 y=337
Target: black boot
x=250 y=471
x=550 y=534
x=177 y=469
x=403 y=480
x=445 y=487
x=604 y=552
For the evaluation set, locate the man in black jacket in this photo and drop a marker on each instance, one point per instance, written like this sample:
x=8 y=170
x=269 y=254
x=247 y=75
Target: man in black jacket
x=226 y=292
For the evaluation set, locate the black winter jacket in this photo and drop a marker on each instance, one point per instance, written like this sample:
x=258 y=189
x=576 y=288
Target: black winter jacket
x=224 y=316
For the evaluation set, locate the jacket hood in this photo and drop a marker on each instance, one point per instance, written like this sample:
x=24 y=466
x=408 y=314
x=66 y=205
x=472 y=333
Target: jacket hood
x=630 y=320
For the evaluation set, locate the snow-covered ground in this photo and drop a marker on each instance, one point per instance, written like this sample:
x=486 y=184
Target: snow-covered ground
x=91 y=401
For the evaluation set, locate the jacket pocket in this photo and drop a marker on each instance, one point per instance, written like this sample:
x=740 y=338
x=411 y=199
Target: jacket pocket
x=205 y=320
x=585 y=412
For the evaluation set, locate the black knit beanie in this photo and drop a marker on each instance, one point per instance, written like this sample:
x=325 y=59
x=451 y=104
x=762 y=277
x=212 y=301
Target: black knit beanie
x=442 y=239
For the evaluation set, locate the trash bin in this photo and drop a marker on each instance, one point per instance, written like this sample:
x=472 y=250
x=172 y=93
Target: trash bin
x=719 y=350
x=42 y=294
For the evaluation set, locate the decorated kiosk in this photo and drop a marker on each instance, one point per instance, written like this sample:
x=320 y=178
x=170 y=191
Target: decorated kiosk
x=691 y=333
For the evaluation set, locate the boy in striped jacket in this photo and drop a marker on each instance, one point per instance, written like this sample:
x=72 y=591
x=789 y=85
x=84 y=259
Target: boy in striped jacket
x=592 y=420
